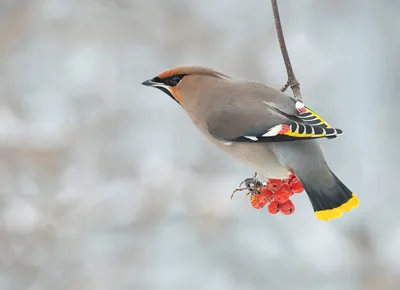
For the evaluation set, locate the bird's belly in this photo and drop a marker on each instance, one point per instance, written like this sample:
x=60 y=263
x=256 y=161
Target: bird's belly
x=257 y=157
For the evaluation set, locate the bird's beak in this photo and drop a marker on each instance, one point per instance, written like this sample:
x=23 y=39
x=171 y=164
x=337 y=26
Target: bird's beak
x=148 y=83
x=155 y=83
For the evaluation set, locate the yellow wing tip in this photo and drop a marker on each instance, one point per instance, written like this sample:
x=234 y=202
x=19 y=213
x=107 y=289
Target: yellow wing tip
x=329 y=214
x=318 y=117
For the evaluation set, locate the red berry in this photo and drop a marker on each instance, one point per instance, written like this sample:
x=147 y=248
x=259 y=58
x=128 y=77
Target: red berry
x=273 y=207
x=258 y=201
x=296 y=186
x=292 y=176
x=287 y=208
x=267 y=193
x=283 y=193
x=274 y=183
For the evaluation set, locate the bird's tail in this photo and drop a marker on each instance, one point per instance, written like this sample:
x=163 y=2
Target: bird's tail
x=329 y=196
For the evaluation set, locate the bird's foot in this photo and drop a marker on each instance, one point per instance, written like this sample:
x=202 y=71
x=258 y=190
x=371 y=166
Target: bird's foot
x=252 y=185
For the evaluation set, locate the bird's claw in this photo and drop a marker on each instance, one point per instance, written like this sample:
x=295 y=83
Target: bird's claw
x=252 y=184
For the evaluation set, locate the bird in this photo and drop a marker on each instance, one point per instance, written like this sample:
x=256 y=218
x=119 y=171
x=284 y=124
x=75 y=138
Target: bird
x=269 y=131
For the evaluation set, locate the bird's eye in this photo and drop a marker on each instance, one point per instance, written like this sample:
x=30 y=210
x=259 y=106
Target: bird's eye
x=174 y=80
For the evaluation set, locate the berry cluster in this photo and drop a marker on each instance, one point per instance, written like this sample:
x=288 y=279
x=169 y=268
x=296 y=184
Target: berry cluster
x=277 y=193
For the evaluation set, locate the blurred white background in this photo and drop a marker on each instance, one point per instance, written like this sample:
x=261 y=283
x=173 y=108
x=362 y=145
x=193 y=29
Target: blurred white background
x=106 y=184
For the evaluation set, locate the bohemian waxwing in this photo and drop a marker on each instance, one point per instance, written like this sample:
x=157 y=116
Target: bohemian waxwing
x=262 y=127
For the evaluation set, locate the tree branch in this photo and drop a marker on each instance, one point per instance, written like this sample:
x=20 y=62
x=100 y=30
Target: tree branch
x=292 y=81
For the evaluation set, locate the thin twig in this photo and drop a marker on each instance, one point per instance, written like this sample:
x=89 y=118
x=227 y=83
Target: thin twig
x=285 y=86
x=292 y=81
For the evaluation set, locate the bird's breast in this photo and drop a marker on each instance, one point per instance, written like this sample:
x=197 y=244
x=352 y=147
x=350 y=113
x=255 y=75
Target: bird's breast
x=256 y=156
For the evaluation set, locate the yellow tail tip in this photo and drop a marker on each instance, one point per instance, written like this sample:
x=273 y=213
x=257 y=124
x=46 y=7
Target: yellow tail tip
x=329 y=214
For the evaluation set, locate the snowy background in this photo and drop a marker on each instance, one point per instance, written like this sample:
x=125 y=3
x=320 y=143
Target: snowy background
x=106 y=184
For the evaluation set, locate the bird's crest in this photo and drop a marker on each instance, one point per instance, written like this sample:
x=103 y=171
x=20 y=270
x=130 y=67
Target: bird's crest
x=192 y=70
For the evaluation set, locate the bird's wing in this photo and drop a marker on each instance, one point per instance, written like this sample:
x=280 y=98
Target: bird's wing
x=293 y=108
x=267 y=121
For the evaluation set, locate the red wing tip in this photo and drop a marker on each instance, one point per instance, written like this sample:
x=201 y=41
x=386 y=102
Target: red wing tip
x=302 y=110
x=285 y=129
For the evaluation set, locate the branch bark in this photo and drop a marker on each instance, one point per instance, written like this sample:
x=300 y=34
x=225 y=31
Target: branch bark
x=292 y=81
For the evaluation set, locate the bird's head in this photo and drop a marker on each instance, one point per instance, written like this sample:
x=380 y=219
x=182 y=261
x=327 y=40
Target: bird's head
x=177 y=81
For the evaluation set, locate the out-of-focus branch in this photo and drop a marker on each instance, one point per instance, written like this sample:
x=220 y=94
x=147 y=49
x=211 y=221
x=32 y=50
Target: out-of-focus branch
x=292 y=81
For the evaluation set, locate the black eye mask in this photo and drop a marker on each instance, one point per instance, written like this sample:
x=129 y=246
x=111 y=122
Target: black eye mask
x=171 y=81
